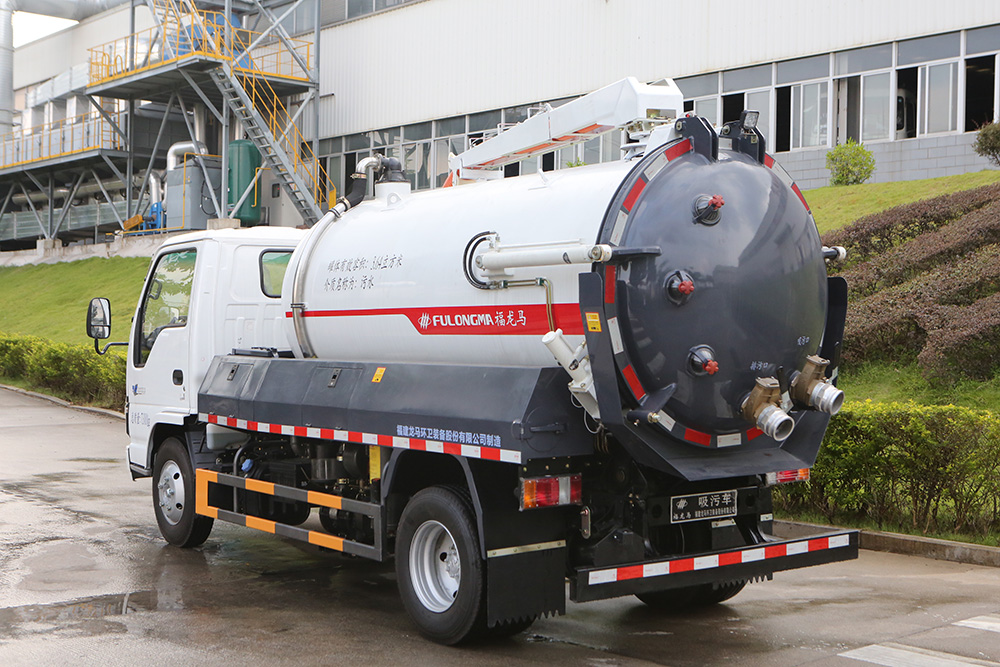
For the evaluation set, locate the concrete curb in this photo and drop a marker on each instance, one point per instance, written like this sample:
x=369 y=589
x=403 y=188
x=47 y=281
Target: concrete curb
x=910 y=545
x=66 y=404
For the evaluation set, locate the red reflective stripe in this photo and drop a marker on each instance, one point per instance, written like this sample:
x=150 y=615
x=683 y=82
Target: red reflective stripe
x=470 y=451
x=633 y=382
x=633 y=194
x=819 y=544
x=753 y=433
x=539 y=147
x=683 y=565
x=697 y=437
x=776 y=551
x=678 y=150
x=802 y=199
x=768 y=161
x=610 y=276
x=517 y=319
x=730 y=558
x=630 y=572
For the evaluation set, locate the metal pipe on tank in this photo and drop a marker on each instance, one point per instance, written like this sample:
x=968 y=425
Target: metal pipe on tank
x=363 y=174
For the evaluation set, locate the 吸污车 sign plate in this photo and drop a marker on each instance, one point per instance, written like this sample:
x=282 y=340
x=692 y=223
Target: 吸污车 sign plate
x=700 y=506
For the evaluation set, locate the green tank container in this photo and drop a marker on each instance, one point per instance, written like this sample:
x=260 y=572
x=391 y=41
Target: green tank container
x=244 y=160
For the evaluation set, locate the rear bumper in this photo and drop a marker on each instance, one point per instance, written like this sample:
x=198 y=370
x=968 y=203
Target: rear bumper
x=745 y=563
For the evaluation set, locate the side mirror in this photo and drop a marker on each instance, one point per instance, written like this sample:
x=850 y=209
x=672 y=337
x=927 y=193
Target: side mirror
x=99 y=323
x=99 y=319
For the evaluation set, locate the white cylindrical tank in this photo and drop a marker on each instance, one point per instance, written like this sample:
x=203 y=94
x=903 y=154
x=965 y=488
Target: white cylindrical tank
x=386 y=282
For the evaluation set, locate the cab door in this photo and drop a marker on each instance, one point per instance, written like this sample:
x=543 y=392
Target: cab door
x=158 y=366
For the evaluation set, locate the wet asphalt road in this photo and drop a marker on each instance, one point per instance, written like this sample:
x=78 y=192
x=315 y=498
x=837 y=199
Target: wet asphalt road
x=85 y=579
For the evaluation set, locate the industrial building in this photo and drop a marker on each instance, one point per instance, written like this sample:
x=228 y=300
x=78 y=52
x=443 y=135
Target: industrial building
x=259 y=109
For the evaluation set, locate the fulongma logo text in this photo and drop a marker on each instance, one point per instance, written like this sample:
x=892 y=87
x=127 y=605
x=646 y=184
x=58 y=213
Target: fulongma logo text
x=426 y=320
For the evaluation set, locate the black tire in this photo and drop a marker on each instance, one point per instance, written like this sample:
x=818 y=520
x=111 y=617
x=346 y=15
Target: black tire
x=296 y=514
x=173 y=497
x=681 y=599
x=509 y=628
x=438 y=566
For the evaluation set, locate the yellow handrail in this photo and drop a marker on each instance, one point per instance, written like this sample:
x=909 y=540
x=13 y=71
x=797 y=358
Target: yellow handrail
x=188 y=34
x=67 y=136
x=185 y=34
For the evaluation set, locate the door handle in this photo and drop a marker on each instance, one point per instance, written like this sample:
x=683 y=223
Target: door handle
x=178 y=377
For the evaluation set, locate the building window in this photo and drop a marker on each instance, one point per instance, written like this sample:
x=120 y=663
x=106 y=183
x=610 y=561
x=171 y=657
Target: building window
x=938 y=86
x=809 y=115
x=709 y=108
x=875 y=106
x=980 y=88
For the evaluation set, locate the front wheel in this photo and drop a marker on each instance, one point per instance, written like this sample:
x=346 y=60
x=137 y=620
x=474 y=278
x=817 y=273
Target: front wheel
x=173 y=497
x=438 y=567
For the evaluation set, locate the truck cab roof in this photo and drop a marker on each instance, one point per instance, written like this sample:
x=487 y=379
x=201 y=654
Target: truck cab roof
x=261 y=234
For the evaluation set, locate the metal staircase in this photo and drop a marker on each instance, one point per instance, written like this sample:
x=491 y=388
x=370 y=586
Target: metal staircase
x=273 y=151
x=249 y=96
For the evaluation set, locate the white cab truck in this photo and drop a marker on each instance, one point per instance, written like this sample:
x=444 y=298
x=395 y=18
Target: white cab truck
x=594 y=375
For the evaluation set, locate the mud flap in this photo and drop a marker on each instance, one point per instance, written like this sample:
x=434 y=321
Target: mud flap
x=525 y=585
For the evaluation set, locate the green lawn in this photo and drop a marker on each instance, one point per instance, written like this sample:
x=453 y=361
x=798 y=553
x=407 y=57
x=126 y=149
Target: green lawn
x=884 y=382
x=836 y=206
x=50 y=300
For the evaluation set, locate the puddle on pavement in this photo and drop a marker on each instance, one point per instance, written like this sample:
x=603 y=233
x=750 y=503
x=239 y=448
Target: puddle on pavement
x=78 y=610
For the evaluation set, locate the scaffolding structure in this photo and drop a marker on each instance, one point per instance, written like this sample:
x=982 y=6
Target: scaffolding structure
x=207 y=72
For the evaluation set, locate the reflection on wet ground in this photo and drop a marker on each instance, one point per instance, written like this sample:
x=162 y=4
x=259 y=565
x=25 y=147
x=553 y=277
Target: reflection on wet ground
x=86 y=579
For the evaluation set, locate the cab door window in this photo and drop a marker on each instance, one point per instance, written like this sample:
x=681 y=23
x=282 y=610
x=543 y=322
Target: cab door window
x=166 y=301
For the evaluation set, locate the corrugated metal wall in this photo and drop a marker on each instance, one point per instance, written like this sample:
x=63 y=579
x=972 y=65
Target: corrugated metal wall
x=439 y=58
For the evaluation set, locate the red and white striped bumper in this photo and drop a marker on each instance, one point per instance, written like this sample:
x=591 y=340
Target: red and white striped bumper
x=731 y=565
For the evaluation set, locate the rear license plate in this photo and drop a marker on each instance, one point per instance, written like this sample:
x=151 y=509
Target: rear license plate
x=699 y=506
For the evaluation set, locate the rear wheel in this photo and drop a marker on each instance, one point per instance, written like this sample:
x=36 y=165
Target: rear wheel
x=173 y=497
x=679 y=599
x=438 y=567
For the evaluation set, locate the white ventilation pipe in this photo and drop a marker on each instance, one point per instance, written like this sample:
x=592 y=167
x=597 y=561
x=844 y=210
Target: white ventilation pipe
x=176 y=152
x=75 y=10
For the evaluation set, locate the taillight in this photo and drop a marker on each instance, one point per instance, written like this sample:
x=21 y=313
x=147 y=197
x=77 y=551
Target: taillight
x=551 y=491
x=785 y=476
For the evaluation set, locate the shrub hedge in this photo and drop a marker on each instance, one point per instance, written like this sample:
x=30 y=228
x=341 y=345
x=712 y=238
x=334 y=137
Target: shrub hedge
x=850 y=163
x=931 y=468
x=923 y=279
x=876 y=234
x=909 y=258
x=74 y=372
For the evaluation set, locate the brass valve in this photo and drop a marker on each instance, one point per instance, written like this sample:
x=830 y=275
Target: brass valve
x=811 y=387
x=763 y=408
